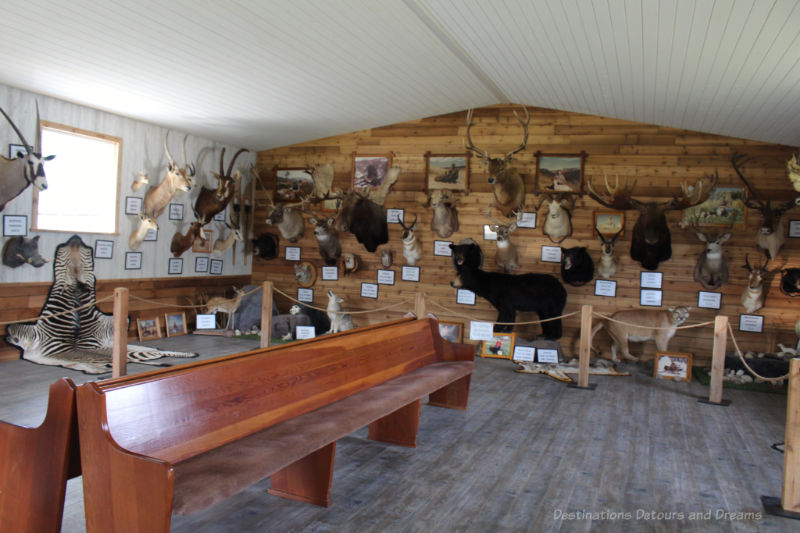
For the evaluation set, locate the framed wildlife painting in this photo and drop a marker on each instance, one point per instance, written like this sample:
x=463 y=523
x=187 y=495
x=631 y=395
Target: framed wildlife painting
x=559 y=172
x=200 y=246
x=609 y=223
x=444 y=171
x=674 y=366
x=725 y=205
x=291 y=183
x=370 y=170
x=499 y=347
x=148 y=328
x=175 y=324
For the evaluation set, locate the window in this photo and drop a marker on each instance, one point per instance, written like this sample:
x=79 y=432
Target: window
x=82 y=181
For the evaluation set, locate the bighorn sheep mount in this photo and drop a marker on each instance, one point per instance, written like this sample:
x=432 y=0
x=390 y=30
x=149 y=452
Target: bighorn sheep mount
x=651 y=241
x=507 y=184
x=445 y=215
x=25 y=169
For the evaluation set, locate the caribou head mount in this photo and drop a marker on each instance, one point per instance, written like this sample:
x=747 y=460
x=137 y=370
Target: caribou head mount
x=507 y=185
x=651 y=242
x=26 y=169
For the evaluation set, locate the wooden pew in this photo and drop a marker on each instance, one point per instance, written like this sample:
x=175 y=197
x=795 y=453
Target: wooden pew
x=35 y=464
x=180 y=439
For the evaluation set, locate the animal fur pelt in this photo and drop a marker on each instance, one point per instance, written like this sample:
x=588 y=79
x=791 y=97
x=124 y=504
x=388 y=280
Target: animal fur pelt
x=559 y=371
x=509 y=293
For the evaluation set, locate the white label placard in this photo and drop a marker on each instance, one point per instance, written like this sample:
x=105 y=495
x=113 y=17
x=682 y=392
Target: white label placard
x=527 y=220
x=410 y=273
x=133 y=260
x=175 y=265
x=201 y=264
x=369 y=290
x=650 y=280
x=103 y=249
x=794 y=228
x=293 y=253
x=709 y=300
x=394 y=216
x=215 y=267
x=15 y=225
x=605 y=287
x=650 y=297
x=176 y=211
x=551 y=254
x=133 y=205
x=305 y=295
x=385 y=277
x=206 y=321
x=488 y=234
x=304 y=332
x=152 y=235
x=524 y=353
x=481 y=331
x=330 y=273
x=466 y=297
x=753 y=323
x=547 y=355
x=442 y=248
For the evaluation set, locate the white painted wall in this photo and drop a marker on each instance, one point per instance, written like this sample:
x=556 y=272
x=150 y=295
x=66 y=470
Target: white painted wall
x=142 y=149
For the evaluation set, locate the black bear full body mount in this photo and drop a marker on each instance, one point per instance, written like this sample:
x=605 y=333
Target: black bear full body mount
x=509 y=293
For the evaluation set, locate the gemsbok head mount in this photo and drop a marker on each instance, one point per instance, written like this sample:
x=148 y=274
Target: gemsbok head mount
x=25 y=169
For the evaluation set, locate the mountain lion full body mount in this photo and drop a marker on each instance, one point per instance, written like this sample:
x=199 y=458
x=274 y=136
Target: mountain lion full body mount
x=658 y=325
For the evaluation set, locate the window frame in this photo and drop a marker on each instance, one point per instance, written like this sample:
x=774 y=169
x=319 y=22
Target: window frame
x=93 y=135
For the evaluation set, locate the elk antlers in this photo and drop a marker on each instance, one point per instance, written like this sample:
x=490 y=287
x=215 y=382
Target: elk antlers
x=483 y=154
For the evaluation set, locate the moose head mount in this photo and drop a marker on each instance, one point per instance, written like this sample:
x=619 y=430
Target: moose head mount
x=651 y=242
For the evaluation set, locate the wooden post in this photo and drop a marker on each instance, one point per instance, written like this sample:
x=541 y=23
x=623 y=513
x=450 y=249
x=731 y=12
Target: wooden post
x=718 y=361
x=266 y=313
x=789 y=503
x=119 y=352
x=585 y=348
x=419 y=305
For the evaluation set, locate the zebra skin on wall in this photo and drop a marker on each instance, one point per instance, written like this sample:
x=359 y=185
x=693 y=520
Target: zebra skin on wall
x=82 y=339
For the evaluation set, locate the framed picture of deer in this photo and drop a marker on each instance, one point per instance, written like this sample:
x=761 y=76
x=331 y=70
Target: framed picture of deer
x=499 y=347
x=724 y=206
x=291 y=183
x=673 y=366
x=149 y=328
x=609 y=223
x=447 y=171
x=204 y=247
x=175 y=324
x=559 y=172
x=451 y=331
x=370 y=170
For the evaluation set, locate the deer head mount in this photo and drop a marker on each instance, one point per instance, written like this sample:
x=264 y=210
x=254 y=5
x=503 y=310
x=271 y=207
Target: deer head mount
x=507 y=256
x=770 y=237
x=507 y=184
x=651 y=241
x=711 y=270
x=753 y=295
x=330 y=249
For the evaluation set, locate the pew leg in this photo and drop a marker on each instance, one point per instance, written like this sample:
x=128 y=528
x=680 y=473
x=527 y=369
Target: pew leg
x=453 y=396
x=307 y=480
x=399 y=427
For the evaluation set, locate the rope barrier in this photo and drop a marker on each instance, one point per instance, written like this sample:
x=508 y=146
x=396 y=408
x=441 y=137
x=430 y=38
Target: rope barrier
x=192 y=306
x=698 y=325
x=744 y=362
x=67 y=312
x=404 y=302
x=454 y=313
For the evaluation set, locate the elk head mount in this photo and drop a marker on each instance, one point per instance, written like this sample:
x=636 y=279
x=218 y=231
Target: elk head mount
x=651 y=242
x=507 y=184
x=770 y=237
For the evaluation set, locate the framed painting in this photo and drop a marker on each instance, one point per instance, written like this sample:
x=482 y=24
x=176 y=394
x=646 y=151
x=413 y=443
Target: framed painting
x=560 y=172
x=724 y=205
x=200 y=246
x=370 y=170
x=447 y=171
x=608 y=223
x=148 y=328
x=499 y=347
x=291 y=183
x=451 y=331
x=674 y=366
x=175 y=324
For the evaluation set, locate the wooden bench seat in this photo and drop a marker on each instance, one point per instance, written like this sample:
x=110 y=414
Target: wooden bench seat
x=180 y=439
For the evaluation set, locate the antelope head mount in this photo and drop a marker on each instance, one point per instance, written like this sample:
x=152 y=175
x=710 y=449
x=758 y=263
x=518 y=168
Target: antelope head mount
x=607 y=266
x=507 y=184
x=412 y=248
x=753 y=295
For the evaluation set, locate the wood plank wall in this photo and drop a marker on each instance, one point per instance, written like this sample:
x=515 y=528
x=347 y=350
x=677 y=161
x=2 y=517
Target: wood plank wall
x=659 y=158
x=162 y=295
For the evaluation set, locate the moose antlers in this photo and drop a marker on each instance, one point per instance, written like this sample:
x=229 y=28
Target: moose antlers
x=620 y=196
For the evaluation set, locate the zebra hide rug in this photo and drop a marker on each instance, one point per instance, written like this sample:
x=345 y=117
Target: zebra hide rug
x=81 y=339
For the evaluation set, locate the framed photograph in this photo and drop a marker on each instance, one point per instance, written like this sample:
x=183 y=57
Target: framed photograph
x=605 y=287
x=15 y=149
x=560 y=172
x=395 y=216
x=176 y=211
x=709 y=300
x=608 y=223
x=527 y=220
x=451 y=331
x=447 y=171
x=370 y=170
x=175 y=324
x=149 y=328
x=215 y=267
x=409 y=273
x=133 y=260
x=650 y=280
x=15 y=225
x=305 y=295
x=292 y=253
x=201 y=264
x=175 y=265
x=369 y=290
x=724 y=205
x=673 y=366
x=103 y=249
x=465 y=297
x=751 y=323
x=442 y=248
x=650 y=297
x=794 y=229
x=385 y=277
x=200 y=246
x=551 y=254
x=291 y=183
x=500 y=347
x=133 y=205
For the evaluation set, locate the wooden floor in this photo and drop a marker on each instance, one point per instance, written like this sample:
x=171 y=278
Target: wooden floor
x=530 y=454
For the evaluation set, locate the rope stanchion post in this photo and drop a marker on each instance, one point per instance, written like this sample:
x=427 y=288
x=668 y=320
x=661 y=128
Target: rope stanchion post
x=788 y=505
x=266 y=314
x=419 y=305
x=119 y=352
x=585 y=348
x=718 y=361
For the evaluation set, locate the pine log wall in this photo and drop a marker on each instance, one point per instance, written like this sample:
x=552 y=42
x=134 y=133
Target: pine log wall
x=659 y=158
x=149 y=298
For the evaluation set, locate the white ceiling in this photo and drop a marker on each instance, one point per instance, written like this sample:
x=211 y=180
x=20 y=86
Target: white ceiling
x=262 y=74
